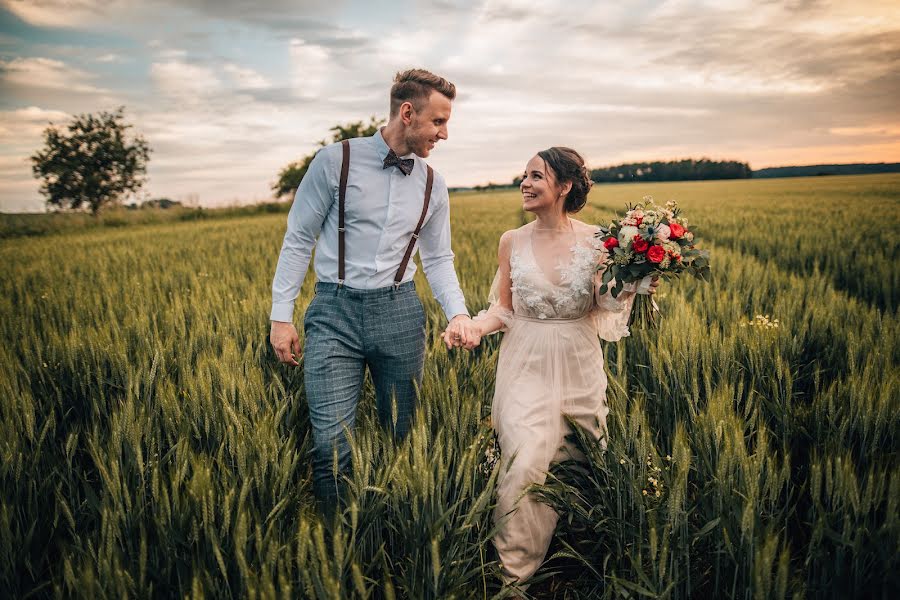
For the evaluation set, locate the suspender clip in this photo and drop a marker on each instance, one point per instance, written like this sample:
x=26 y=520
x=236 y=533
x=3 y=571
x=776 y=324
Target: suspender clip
x=396 y=285
x=340 y=283
x=415 y=236
x=342 y=229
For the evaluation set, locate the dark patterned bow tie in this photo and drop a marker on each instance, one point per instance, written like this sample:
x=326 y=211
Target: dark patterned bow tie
x=404 y=164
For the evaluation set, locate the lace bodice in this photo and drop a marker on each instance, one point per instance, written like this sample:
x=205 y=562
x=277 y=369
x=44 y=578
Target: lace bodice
x=567 y=290
x=566 y=294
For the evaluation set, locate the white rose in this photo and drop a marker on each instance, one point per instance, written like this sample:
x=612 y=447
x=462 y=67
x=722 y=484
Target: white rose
x=626 y=234
x=663 y=232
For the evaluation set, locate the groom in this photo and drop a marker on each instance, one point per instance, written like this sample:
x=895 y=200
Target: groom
x=366 y=204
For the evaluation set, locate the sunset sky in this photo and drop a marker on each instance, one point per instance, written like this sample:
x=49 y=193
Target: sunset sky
x=229 y=91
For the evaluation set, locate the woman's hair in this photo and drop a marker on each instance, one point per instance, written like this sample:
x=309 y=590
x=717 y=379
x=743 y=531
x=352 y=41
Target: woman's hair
x=568 y=166
x=415 y=86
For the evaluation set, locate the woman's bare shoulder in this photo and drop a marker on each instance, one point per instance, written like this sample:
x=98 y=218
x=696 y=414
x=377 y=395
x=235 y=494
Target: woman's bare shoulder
x=510 y=234
x=582 y=225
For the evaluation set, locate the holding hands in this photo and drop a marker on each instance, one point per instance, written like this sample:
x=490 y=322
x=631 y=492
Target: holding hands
x=462 y=332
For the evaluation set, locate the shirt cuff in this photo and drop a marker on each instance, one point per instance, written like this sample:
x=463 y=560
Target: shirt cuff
x=456 y=308
x=282 y=311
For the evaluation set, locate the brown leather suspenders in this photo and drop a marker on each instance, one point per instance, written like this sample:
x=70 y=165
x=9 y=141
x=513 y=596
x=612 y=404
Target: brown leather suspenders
x=342 y=196
x=412 y=242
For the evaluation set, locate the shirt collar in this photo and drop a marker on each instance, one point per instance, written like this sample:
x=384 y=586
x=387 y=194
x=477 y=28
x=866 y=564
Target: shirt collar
x=382 y=148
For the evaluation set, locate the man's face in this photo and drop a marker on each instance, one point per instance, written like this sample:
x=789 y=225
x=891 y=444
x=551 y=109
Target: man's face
x=429 y=125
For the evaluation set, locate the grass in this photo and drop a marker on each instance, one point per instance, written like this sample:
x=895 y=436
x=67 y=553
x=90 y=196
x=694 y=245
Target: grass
x=152 y=446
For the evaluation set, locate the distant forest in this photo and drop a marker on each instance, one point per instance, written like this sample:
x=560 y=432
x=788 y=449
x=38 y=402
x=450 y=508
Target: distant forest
x=676 y=170
x=693 y=170
x=704 y=168
x=688 y=170
x=813 y=170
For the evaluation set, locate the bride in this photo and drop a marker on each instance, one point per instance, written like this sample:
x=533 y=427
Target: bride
x=545 y=300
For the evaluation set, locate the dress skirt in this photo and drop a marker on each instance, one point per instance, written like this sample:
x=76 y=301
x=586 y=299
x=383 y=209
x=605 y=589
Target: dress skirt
x=547 y=369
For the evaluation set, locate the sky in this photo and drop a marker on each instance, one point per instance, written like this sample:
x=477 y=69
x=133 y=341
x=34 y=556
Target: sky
x=227 y=92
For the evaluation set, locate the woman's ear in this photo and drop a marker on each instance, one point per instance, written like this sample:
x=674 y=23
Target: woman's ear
x=565 y=189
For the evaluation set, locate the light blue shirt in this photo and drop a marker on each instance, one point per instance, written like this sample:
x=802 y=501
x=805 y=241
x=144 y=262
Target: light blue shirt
x=382 y=209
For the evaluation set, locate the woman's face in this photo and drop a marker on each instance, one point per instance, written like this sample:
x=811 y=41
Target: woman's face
x=540 y=190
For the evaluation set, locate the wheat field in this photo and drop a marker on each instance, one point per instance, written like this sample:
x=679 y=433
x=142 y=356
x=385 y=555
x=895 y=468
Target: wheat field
x=151 y=446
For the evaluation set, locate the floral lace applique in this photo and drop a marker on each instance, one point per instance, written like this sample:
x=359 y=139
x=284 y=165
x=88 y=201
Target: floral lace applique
x=579 y=272
x=524 y=286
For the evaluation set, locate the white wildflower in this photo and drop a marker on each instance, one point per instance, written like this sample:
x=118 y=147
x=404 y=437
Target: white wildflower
x=626 y=234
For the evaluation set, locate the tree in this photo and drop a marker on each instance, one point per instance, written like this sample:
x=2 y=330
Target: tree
x=291 y=175
x=92 y=164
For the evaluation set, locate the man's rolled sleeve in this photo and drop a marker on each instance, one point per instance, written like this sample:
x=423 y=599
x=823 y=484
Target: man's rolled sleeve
x=313 y=200
x=437 y=257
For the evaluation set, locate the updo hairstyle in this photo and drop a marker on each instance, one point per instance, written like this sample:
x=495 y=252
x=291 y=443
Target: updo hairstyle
x=568 y=166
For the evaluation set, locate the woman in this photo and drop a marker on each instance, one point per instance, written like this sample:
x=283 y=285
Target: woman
x=545 y=299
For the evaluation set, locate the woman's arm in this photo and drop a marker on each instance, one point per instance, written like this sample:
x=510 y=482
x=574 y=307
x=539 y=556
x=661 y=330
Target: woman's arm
x=488 y=321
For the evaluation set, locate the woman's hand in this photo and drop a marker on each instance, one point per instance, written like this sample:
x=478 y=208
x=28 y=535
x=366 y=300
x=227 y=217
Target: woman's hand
x=648 y=285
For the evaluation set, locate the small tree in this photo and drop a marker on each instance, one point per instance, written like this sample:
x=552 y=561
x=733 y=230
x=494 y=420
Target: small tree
x=93 y=163
x=291 y=175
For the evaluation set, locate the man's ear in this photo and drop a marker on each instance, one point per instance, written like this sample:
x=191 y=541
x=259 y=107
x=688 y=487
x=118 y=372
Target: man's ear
x=406 y=111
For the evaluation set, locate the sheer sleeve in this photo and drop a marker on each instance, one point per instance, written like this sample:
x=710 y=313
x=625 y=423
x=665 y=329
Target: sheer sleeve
x=501 y=287
x=496 y=308
x=610 y=315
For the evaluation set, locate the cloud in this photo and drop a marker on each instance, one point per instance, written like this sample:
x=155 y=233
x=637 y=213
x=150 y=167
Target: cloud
x=61 y=13
x=878 y=131
x=16 y=126
x=110 y=58
x=20 y=135
x=184 y=82
x=246 y=79
x=288 y=17
x=47 y=73
x=311 y=68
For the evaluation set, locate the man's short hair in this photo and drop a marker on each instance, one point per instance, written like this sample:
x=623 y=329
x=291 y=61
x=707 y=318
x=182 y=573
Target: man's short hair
x=415 y=86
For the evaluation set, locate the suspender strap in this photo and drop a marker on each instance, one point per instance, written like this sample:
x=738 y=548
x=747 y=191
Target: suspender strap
x=409 y=249
x=342 y=196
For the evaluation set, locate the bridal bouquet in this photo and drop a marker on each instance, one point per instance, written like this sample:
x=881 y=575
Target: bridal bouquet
x=649 y=240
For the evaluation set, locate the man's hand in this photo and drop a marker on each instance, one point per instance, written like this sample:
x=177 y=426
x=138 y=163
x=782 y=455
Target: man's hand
x=285 y=342
x=463 y=332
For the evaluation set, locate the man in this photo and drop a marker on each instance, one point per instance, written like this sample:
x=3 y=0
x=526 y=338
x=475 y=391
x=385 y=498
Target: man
x=366 y=311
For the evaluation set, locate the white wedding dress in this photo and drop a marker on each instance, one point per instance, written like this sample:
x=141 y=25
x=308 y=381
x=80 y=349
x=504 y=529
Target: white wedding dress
x=550 y=365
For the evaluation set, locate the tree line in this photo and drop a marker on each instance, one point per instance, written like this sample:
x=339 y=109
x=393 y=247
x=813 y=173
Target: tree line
x=816 y=170
x=688 y=169
x=676 y=170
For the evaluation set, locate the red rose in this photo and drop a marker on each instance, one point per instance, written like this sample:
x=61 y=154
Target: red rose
x=656 y=253
x=675 y=230
x=639 y=244
x=610 y=243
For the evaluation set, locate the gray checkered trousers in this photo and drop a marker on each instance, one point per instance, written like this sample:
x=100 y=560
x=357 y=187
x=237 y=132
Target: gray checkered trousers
x=346 y=330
